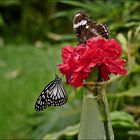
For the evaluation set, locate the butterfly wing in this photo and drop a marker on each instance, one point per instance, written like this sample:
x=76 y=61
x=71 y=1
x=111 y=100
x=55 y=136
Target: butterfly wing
x=81 y=25
x=53 y=94
x=43 y=100
x=86 y=28
x=59 y=95
x=102 y=30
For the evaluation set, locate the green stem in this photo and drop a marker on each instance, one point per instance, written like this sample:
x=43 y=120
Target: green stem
x=95 y=121
x=104 y=111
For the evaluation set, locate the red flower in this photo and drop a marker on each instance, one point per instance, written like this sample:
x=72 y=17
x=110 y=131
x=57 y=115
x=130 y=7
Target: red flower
x=79 y=61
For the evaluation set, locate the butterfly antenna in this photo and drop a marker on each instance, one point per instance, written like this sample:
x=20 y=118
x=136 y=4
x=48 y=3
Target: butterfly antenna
x=54 y=66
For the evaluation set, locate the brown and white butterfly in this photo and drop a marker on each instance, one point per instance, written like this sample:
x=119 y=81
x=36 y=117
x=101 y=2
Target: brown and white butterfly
x=86 y=28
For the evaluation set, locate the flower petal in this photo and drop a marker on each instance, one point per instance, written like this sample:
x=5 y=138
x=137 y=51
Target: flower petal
x=66 y=53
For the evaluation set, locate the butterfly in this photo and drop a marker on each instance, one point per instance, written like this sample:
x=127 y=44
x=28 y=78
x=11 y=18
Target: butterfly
x=86 y=28
x=53 y=94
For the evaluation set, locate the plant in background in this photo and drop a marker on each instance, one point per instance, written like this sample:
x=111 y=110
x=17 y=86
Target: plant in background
x=89 y=64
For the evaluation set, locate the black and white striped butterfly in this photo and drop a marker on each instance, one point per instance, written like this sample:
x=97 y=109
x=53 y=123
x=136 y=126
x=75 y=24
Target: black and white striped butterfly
x=53 y=94
x=86 y=28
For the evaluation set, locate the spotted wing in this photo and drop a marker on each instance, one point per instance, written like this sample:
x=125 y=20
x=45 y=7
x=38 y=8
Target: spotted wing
x=53 y=94
x=86 y=28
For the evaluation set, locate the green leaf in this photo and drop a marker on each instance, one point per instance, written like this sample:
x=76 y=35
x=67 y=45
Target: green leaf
x=69 y=131
x=1 y=20
x=88 y=6
x=131 y=24
x=9 y=2
x=134 y=133
x=133 y=92
x=123 y=120
x=58 y=119
x=123 y=41
x=137 y=33
x=119 y=120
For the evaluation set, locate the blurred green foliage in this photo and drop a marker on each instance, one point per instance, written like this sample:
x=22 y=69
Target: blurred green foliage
x=35 y=19
x=32 y=34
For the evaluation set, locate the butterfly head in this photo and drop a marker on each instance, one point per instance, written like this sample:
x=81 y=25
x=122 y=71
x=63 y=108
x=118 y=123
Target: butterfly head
x=57 y=78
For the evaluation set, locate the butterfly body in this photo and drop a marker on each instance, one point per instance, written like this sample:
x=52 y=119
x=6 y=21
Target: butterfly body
x=53 y=94
x=86 y=28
